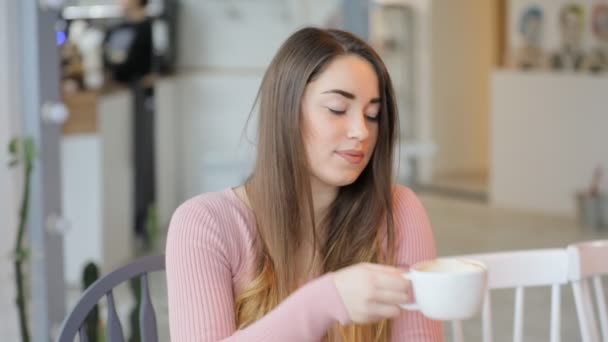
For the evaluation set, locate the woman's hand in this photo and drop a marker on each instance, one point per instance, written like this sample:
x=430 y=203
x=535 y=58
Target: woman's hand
x=372 y=292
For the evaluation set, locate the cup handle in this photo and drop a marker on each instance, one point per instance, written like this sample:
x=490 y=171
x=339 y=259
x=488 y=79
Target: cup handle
x=410 y=306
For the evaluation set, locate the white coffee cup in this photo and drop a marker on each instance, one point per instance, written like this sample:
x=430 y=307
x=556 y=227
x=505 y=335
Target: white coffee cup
x=447 y=288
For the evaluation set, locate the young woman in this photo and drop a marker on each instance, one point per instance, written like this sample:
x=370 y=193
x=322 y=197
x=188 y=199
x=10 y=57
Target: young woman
x=313 y=245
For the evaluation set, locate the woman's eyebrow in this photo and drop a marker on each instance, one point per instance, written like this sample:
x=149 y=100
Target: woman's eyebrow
x=348 y=95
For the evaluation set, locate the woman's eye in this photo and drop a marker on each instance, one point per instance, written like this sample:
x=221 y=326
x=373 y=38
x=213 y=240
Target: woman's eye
x=373 y=118
x=337 y=112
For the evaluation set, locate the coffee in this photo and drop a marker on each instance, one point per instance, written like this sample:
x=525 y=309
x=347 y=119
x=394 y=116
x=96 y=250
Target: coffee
x=447 y=288
x=450 y=266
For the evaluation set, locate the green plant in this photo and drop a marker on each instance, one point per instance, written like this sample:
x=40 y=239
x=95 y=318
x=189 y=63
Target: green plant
x=89 y=275
x=152 y=227
x=135 y=285
x=22 y=151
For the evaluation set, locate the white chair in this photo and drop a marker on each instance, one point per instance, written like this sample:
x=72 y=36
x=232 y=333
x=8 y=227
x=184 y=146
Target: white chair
x=588 y=262
x=520 y=269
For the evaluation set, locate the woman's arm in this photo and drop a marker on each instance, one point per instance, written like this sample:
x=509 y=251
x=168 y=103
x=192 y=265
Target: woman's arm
x=200 y=289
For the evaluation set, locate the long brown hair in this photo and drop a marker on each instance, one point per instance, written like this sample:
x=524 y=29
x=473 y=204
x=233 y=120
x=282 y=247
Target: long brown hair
x=358 y=226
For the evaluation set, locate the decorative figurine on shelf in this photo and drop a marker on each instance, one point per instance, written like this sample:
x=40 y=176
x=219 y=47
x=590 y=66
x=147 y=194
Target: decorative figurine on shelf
x=570 y=55
x=530 y=55
x=597 y=60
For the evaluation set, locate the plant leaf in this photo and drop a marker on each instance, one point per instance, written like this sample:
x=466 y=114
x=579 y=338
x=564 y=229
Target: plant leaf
x=25 y=253
x=12 y=146
x=30 y=151
x=22 y=255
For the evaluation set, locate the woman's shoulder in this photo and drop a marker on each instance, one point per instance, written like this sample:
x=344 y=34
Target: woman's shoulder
x=407 y=209
x=217 y=213
x=404 y=198
x=213 y=201
x=212 y=224
x=413 y=233
x=408 y=212
x=216 y=222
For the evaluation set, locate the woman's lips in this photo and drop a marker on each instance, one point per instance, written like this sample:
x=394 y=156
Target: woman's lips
x=351 y=156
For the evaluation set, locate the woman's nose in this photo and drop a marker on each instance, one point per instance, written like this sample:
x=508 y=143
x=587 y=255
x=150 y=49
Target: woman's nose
x=357 y=127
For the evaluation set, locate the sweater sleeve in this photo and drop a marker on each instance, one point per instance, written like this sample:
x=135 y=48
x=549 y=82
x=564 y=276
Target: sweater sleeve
x=415 y=244
x=200 y=288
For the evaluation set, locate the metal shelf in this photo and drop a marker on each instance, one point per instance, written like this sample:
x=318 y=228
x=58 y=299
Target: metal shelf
x=103 y=11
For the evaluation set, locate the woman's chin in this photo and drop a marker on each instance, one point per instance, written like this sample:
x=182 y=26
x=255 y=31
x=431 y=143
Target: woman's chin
x=344 y=180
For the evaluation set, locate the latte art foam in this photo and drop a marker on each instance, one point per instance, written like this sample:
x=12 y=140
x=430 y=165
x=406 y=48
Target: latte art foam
x=450 y=266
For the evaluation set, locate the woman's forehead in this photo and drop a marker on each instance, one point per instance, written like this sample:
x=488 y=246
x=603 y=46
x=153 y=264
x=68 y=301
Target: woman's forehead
x=349 y=73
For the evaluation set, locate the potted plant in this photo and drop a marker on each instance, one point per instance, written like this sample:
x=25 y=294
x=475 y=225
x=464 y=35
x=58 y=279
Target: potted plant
x=592 y=203
x=23 y=152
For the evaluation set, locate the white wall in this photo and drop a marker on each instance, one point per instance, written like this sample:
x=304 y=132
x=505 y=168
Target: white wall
x=548 y=134
x=462 y=56
x=214 y=110
x=9 y=180
x=81 y=170
x=225 y=47
x=97 y=201
x=117 y=199
x=418 y=112
x=423 y=76
x=242 y=34
x=167 y=121
x=96 y=171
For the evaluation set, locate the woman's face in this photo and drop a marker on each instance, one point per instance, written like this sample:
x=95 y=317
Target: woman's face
x=340 y=110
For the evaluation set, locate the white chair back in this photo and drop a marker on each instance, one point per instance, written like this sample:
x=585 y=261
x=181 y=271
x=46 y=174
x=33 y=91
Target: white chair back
x=518 y=270
x=588 y=262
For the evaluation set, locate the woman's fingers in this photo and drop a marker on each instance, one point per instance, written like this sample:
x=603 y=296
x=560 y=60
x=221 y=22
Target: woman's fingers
x=383 y=311
x=391 y=281
x=392 y=297
x=372 y=292
x=384 y=268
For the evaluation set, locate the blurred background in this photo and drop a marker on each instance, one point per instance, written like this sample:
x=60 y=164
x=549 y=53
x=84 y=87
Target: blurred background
x=135 y=106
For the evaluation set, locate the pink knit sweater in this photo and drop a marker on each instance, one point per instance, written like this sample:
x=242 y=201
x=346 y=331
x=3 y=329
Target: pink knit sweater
x=210 y=249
